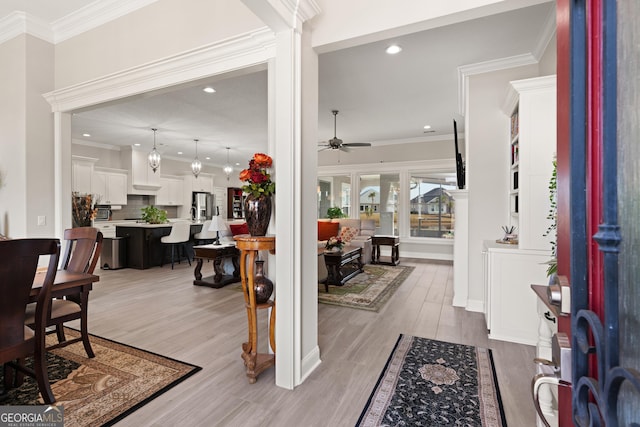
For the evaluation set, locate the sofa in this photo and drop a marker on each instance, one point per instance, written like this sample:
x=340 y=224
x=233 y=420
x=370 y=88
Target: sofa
x=354 y=232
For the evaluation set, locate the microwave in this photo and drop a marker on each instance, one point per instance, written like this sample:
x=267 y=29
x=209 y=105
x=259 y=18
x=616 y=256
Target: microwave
x=103 y=213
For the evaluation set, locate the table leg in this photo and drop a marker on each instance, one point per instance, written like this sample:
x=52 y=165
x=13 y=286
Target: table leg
x=198 y=270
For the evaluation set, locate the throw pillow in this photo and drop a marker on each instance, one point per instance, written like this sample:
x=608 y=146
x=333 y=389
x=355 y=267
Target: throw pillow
x=348 y=233
x=327 y=229
x=239 y=229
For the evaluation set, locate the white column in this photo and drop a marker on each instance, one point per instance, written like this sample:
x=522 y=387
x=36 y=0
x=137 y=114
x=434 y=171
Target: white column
x=461 y=248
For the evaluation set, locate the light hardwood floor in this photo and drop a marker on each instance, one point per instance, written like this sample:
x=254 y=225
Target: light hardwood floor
x=159 y=310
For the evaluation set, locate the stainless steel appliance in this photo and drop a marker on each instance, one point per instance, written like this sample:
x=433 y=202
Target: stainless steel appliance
x=103 y=213
x=202 y=207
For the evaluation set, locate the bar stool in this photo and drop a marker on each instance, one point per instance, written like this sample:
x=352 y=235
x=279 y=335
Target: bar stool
x=180 y=233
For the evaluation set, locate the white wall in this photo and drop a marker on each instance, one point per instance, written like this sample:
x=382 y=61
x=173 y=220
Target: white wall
x=487 y=162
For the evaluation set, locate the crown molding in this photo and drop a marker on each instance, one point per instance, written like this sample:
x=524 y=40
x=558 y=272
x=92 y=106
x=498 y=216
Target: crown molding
x=547 y=33
x=465 y=71
x=236 y=53
x=18 y=23
x=93 y=15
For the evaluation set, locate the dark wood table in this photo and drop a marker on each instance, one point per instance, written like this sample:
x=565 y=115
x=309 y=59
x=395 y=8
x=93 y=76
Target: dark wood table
x=342 y=266
x=66 y=283
x=393 y=241
x=216 y=253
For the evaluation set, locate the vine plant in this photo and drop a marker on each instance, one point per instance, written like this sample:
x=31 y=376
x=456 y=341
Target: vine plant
x=553 y=216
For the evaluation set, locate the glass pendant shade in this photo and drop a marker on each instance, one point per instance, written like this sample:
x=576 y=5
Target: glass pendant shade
x=227 y=167
x=196 y=165
x=154 y=156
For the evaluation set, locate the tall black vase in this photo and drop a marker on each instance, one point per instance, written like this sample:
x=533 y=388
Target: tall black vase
x=262 y=285
x=257 y=212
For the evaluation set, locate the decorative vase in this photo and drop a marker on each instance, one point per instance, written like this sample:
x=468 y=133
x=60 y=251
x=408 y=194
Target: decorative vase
x=262 y=285
x=257 y=212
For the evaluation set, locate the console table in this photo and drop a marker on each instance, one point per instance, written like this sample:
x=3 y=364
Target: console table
x=249 y=247
x=393 y=241
x=216 y=253
x=342 y=266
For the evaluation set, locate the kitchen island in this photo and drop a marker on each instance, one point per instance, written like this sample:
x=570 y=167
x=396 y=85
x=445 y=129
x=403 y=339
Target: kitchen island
x=144 y=249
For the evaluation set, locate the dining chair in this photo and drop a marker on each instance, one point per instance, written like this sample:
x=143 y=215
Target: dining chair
x=18 y=268
x=82 y=250
x=179 y=236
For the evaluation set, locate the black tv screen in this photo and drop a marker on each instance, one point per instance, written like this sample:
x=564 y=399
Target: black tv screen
x=459 y=162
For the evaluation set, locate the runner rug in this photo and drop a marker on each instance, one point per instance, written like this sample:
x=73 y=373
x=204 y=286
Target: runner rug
x=435 y=383
x=369 y=290
x=103 y=390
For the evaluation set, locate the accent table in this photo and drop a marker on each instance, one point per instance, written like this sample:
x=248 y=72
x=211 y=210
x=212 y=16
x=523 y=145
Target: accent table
x=393 y=241
x=342 y=266
x=216 y=253
x=249 y=247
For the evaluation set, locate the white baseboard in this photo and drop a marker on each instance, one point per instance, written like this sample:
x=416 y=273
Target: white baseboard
x=309 y=364
x=475 y=305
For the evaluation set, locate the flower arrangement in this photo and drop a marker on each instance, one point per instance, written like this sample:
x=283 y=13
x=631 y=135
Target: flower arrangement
x=258 y=177
x=334 y=242
x=83 y=208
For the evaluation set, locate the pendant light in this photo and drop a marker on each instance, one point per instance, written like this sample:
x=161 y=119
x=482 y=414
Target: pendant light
x=227 y=167
x=196 y=165
x=154 y=156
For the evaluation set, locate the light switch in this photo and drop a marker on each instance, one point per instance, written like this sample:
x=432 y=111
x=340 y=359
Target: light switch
x=42 y=220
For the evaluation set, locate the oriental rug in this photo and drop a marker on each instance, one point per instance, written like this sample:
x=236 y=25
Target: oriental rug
x=103 y=390
x=369 y=290
x=434 y=383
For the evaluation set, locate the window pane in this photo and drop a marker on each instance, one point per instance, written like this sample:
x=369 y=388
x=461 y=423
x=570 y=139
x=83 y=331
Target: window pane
x=333 y=191
x=379 y=201
x=431 y=206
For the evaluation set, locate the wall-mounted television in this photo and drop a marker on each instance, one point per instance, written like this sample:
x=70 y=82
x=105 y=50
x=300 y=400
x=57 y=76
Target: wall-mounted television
x=459 y=162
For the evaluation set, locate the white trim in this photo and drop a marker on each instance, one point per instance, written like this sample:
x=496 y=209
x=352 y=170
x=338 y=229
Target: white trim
x=475 y=305
x=422 y=165
x=465 y=71
x=232 y=54
x=309 y=364
x=547 y=33
x=17 y=23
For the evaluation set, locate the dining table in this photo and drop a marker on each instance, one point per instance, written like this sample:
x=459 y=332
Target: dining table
x=65 y=283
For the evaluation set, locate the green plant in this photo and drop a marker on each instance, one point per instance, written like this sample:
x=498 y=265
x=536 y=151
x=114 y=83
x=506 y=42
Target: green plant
x=153 y=215
x=335 y=212
x=553 y=216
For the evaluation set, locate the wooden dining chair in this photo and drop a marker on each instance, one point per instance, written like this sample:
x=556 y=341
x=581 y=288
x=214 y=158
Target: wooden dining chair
x=17 y=270
x=82 y=250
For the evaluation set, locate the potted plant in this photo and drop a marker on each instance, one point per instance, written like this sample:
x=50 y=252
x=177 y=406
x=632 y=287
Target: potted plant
x=335 y=212
x=259 y=188
x=153 y=215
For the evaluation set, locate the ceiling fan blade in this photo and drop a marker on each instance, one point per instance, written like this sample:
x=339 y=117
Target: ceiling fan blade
x=357 y=144
x=343 y=148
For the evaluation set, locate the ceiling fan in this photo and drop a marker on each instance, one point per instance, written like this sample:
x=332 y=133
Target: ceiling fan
x=336 y=143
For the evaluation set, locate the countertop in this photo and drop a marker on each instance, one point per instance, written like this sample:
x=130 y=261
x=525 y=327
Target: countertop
x=147 y=225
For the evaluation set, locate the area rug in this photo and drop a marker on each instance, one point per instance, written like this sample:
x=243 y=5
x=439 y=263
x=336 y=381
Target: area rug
x=434 y=383
x=103 y=390
x=369 y=290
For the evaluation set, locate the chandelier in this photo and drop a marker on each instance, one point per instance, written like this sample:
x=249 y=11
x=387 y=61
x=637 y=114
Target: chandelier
x=154 y=156
x=227 y=167
x=196 y=165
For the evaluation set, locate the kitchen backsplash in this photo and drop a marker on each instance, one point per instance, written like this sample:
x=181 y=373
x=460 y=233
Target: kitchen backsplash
x=132 y=210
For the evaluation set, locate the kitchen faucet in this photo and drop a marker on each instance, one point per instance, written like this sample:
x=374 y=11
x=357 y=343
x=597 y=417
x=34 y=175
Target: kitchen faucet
x=193 y=212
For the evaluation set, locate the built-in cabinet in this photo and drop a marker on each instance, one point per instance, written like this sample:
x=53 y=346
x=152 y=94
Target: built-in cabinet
x=109 y=186
x=171 y=192
x=142 y=179
x=531 y=106
x=82 y=174
x=220 y=200
x=204 y=182
x=235 y=210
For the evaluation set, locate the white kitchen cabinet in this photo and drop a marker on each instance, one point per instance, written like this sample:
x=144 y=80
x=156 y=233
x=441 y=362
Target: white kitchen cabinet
x=171 y=192
x=204 y=182
x=110 y=187
x=510 y=304
x=531 y=105
x=142 y=179
x=220 y=200
x=82 y=174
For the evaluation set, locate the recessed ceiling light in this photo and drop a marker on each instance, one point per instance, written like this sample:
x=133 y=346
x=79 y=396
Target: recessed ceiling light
x=209 y=89
x=427 y=127
x=137 y=144
x=86 y=134
x=208 y=158
x=180 y=152
x=393 y=49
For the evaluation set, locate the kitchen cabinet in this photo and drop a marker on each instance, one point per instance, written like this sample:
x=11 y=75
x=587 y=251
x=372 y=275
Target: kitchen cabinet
x=142 y=179
x=204 y=183
x=110 y=187
x=171 y=192
x=82 y=174
x=510 y=307
x=220 y=200
x=531 y=106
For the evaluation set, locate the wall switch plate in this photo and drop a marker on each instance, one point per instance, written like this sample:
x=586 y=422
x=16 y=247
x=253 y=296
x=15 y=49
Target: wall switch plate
x=42 y=220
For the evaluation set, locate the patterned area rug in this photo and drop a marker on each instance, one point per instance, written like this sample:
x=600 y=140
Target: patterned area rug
x=369 y=290
x=103 y=390
x=435 y=383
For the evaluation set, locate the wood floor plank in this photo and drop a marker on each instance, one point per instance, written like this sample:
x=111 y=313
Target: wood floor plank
x=160 y=310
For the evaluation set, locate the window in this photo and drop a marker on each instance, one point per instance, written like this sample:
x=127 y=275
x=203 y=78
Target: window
x=379 y=201
x=334 y=191
x=431 y=207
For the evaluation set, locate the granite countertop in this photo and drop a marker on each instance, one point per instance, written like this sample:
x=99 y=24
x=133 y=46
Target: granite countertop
x=147 y=225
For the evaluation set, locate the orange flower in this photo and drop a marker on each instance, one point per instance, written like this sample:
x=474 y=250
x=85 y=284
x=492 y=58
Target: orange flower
x=257 y=177
x=245 y=175
x=262 y=160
